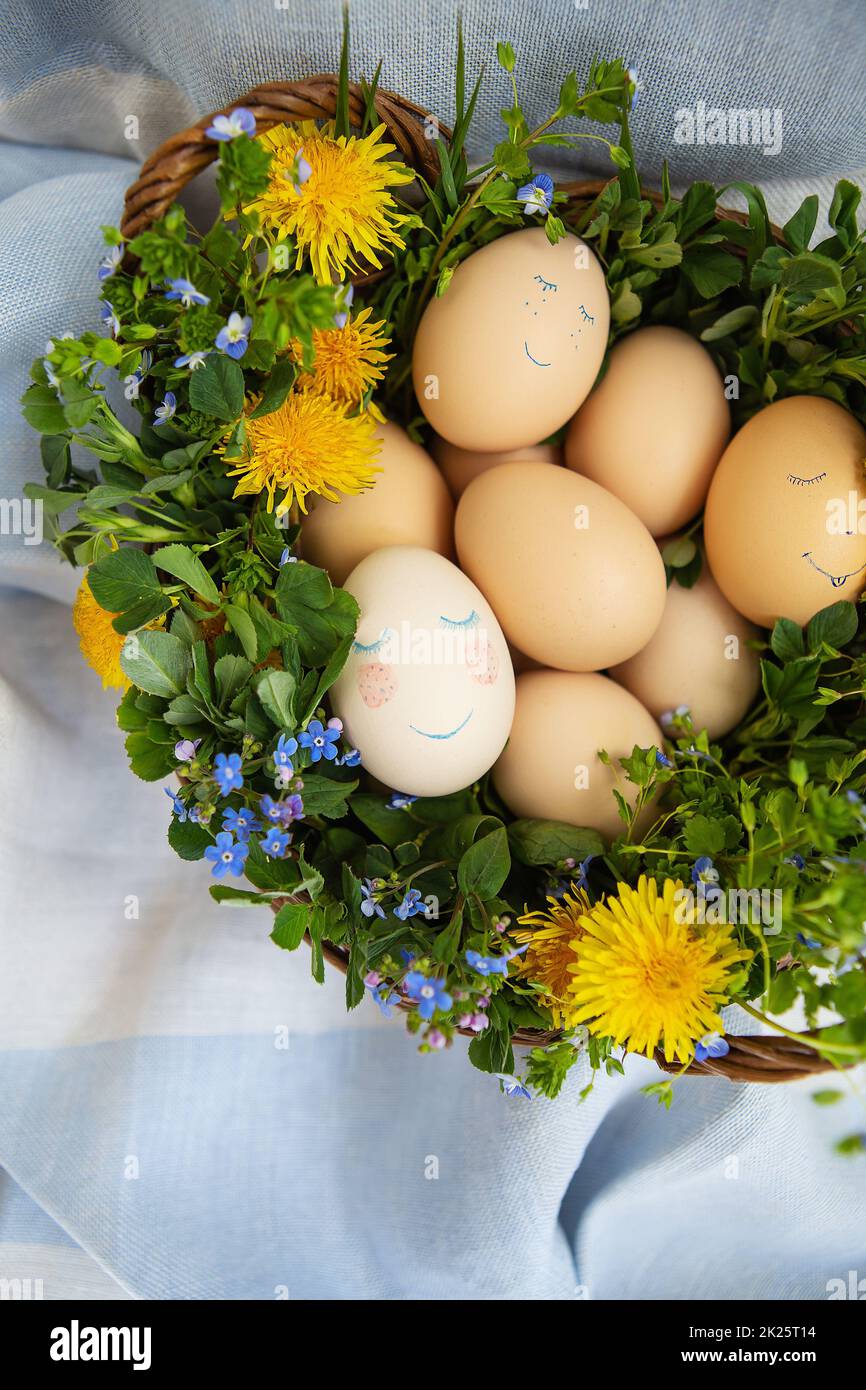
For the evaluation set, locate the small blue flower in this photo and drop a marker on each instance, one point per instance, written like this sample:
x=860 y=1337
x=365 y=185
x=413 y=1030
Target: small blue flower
x=370 y=904
x=321 y=742
x=400 y=801
x=703 y=872
x=282 y=755
x=165 y=411
x=693 y=752
x=227 y=855
x=796 y=860
x=512 y=1085
x=493 y=965
x=227 y=772
x=537 y=195
x=110 y=261
x=186 y=292
x=177 y=805
x=350 y=759
x=287 y=558
x=341 y=318
x=271 y=809
x=199 y=816
x=809 y=941
x=193 y=360
x=238 y=122
x=582 y=871
x=185 y=749
x=241 y=823
x=276 y=842
x=291 y=809
x=662 y=759
x=109 y=317
x=674 y=716
x=410 y=906
x=633 y=78
x=235 y=337
x=429 y=995
x=711 y=1045
x=300 y=171
x=386 y=998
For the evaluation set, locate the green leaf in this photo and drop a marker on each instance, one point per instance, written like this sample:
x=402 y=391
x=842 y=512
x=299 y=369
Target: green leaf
x=243 y=626
x=157 y=662
x=326 y=797
x=388 y=826
x=148 y=760
x=232 y=673
x=188 y=839
x=786 y=640
x=540 y=843
x=799 y=228
x=54 y=502
x=745 y=316
x=804 y=276
x=484 y=867
x=43 y=410
x=827 y=1097
x=323 y=616
x=842 y=215
x=277 y=387
x=180 y=561
x=217 y=387
x=512 y=160
x=276 y=690
x=712 y=270
x=122 y=579
x=703 y=836
x=221 y=893
x=835 y=625
x=291 y=924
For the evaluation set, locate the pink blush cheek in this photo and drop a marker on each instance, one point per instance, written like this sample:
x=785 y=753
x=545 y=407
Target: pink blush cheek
x=377 y=684
x=484 y=668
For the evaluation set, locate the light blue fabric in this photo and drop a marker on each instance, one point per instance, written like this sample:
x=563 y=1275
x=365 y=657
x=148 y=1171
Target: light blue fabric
x=185 y=1114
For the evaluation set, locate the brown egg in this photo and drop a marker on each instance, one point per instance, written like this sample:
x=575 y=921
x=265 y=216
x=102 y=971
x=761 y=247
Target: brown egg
x=550 y=768
x=460 y=466
x=654 y=428
x=698 y=657
x=506 y=355
x=408 y=505
x=574 y=578
x=783 y=524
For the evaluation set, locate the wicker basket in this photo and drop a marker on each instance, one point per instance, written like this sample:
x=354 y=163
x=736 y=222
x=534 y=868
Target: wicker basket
x=164 y=175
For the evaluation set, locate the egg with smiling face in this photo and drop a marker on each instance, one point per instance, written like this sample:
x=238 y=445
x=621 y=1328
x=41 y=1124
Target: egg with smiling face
x=511 y=349
x=427 y=693
x=784 y=523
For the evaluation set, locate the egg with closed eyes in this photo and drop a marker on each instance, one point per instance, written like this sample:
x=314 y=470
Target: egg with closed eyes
x=506 y=355
x=427 y=692
x=784 y=522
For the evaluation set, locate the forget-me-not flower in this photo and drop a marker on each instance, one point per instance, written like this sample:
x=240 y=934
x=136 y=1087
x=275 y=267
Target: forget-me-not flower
x=429 y=995
x=227 y=855
x=321 y=742
x=227 y=772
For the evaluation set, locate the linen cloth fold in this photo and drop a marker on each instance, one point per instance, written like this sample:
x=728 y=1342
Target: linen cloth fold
x=183 y=1112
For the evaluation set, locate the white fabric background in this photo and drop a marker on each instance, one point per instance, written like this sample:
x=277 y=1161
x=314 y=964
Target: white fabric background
x=156 y=1142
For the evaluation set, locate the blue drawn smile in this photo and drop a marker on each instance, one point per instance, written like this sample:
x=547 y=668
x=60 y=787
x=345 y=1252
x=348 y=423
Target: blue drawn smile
x=450 y=734
x=534 y=359
x=837 y=580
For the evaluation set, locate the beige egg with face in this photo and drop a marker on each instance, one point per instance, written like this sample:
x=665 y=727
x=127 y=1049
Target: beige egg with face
x=409 y=504
x=507 y=354
x=550 y=769
x=574 y=577
x=460 y=466
x=654 y=428
x=427 y=693
x=698 y=657
x=784 y=523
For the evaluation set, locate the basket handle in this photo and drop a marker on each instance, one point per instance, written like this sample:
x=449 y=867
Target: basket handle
x=170 y=168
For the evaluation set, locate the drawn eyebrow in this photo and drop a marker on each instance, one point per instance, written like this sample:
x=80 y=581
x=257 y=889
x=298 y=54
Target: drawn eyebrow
x=372 y=646
x=472 y=621
x=588 y=318
x=804 y=482
x=546 y=284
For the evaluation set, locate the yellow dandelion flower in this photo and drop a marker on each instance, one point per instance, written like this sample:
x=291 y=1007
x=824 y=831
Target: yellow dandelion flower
x=552 y=936
x=341 y=214
x=349 y=362
x=100 y=644
x=308 y=444
x=646 y=978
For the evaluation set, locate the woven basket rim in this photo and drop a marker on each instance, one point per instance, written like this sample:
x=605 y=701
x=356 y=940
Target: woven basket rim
x=762 y=1058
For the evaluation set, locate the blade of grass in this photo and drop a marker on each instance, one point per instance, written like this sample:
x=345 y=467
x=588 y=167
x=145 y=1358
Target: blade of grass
x=341 y=113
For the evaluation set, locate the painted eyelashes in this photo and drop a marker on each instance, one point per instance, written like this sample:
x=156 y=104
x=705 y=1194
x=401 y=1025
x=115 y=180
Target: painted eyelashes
x=805 y=482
